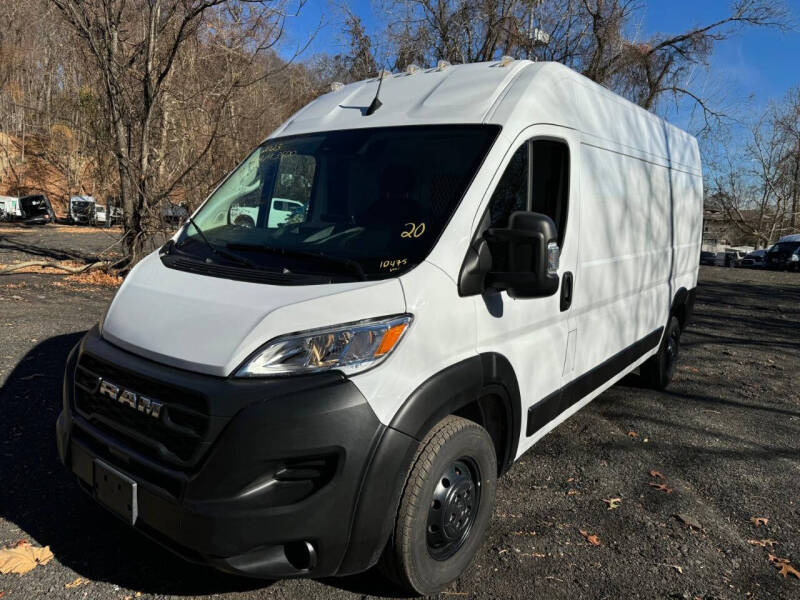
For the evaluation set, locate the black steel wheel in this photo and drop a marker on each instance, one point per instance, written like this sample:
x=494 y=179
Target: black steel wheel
x=445 y=508
x=455 y=504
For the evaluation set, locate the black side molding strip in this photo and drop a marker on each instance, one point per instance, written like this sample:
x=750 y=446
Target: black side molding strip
x=544 y=411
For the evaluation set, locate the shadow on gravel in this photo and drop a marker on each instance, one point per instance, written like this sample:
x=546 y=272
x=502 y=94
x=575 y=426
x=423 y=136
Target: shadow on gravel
x=44 y=501
x=38 y=495
x=40 y=251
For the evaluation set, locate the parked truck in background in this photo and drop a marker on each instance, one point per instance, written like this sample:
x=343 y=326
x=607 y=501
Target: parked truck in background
x=81 y=210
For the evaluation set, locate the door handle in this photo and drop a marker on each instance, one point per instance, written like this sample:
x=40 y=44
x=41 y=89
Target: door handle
x=566 y=290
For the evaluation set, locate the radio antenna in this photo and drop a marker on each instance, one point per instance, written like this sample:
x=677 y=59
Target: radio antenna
x=376 y=101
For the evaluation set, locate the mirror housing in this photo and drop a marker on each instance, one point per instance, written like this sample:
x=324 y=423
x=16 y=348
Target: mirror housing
x=524 y=256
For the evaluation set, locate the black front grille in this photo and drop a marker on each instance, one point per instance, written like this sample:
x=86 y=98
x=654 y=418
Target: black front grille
x=176 y=436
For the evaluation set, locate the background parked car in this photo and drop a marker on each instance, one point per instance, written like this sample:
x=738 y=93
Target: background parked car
x=733 y=257
x=784 y=254
x=708 y=258
x=114 y=215
x=36 y=209
x=100 y=215
x=754 y=260
x=174 y=214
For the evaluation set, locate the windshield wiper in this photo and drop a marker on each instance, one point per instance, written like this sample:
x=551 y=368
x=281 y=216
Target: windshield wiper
x=350 y=264
x=221 y=251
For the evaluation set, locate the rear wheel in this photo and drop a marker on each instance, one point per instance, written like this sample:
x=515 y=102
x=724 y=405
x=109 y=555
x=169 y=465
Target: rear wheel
x=445 y=508
x=658 y=370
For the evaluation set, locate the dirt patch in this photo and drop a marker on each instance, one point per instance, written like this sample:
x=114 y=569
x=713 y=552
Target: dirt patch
x=14 y=228
x=103 y=278
x=96 y=276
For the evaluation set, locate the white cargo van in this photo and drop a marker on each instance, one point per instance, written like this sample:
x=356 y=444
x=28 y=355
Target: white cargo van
x=10 y=208
x=473 y=259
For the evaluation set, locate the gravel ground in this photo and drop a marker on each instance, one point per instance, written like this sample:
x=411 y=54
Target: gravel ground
x=54 y=242
x=724 y=436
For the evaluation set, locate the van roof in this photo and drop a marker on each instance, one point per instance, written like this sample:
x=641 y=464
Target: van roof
x=514 y=94
x=794 y=237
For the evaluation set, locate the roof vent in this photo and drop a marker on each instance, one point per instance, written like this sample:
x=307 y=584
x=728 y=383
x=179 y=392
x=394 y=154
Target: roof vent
x=336 y=86
x=442 y=65
x=506 y=60
x=411 y=69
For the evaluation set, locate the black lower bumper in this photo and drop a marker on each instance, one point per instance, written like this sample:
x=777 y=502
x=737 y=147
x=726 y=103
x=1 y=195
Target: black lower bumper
x=277 y=484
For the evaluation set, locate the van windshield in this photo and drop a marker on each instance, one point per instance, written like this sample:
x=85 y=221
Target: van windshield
x=374 y=198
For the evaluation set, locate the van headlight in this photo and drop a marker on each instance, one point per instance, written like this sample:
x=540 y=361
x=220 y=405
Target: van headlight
x=349 y=348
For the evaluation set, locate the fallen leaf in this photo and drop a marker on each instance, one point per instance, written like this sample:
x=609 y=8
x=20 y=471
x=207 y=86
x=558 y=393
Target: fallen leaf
x=573 y=493
x=656 y=474
x=759 y=521
x=689 y=520
x=678 y=568
x=76 y=583
x=762 y=543
x=592 y=539
x=661 y=487
x=633 y=434
x=23 y=557
x=787 y=569
x=777 y=561
x=613 y=503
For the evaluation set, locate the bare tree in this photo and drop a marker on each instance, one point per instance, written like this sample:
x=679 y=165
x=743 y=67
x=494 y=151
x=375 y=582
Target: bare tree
x=594 y=37
x=787 y=129
x=755 y=184
x=135 y=46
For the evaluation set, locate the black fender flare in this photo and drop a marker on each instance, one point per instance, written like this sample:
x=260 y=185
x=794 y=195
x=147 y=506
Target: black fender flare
x=442 y=394
x=457 y=386
x=683 y=305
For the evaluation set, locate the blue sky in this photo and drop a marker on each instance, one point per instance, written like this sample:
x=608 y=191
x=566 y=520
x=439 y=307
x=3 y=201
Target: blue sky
x=754 y=64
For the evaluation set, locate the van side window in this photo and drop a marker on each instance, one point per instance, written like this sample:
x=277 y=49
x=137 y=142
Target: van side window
x=511 y=193
x=550 y=182
x=536 y=179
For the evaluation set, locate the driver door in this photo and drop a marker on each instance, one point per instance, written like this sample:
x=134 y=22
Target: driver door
x=536 y=335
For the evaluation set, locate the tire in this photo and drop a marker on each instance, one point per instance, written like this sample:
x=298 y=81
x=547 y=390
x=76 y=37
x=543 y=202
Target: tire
x=244 y=221
x=658 y=370
x=455 y=472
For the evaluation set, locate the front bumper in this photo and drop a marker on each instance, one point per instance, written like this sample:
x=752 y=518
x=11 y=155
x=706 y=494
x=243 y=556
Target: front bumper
x=270 y=485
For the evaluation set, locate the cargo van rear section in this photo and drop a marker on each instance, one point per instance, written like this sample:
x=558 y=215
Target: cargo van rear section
x=337 y=355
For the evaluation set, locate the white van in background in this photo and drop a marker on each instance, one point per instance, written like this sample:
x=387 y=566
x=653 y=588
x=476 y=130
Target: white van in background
x=474 y=258
x=10 y=208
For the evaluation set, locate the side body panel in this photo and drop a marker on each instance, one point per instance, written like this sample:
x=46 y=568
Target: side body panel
x=641 y=201
x=622 y=289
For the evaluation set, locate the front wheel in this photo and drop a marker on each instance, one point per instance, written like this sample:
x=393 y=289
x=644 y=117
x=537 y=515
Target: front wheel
x=445 y=509
x=657 y=371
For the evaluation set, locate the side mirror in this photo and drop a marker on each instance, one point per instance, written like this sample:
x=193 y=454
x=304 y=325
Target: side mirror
x=524 y=256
